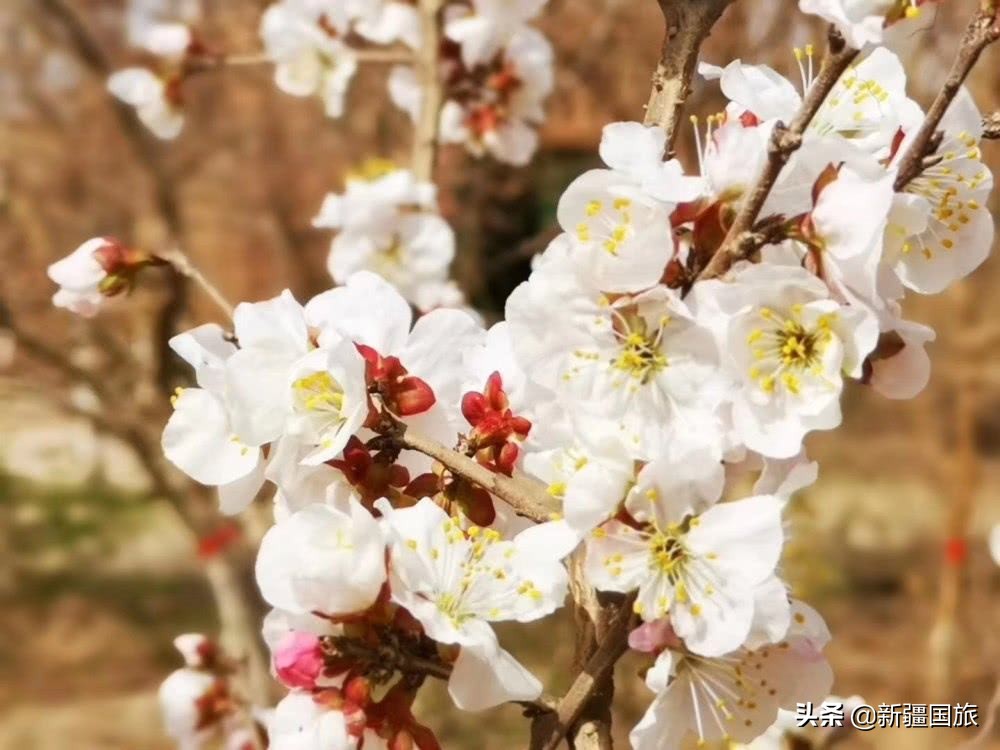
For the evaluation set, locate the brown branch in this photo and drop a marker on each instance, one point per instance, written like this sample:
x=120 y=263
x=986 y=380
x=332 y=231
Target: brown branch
x=208 y=64
x=183 y=265
x=982 y=31
x=991 y=126
x=527 y=497
x=687 y=24
x=432 y=87
x=740 y=240
x=548 y=731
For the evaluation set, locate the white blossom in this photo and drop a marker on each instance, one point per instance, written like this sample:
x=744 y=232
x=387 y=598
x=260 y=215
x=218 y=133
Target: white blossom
x=735 y=697
x=323 y=559
x=456 y=582
x=156 y=100
x=303 y=38
x=697 y=566
x=80 y=276
x=301 y=722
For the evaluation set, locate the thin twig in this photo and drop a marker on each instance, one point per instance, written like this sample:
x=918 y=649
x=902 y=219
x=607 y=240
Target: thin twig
x=988 y=724
x=182 y=263
x=687 y=25
x=385 y=56
x=378 y=56
x=740 y=241
x=982 y=31
x=527 y=497
x=432 y=90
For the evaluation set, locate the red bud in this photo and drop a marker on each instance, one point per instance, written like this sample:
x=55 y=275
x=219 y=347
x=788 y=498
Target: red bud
x=358 y=690
x=413 y=396
x=474 y=407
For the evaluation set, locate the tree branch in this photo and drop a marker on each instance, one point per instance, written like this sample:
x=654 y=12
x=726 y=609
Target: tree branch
x=428 y=60
x=526 y=496
x=548 y=731
x=740 y=241
x=89 y=52
x=982 y=31
x=183 y=265
x=687 y=24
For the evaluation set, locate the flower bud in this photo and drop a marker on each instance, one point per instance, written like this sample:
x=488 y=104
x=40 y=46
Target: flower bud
x=298 y=660
x=358 y=690
x=99 y=268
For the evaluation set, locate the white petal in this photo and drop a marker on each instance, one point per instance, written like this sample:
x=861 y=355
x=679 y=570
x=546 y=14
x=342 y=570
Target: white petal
x=485 y=676
x=135 y=86
x=199 y=441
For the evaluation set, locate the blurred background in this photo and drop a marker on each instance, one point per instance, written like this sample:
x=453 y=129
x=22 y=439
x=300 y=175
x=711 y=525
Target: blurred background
x=105 y=554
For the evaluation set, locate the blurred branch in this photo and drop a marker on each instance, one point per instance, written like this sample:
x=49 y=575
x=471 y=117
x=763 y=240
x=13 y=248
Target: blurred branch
x=523 y=252
x=399 y=56
x=982 y=31
x=432 y=88
x=991 y=126
x=92 y=56
x=49 y=355
x=687 y=24
x=741 y=241
x=236 y=615
x=986 y=730
x=594 y=618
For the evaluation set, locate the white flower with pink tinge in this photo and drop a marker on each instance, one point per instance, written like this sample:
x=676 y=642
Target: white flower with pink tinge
x=698 y=567
x=89 y=274
x=734 y=697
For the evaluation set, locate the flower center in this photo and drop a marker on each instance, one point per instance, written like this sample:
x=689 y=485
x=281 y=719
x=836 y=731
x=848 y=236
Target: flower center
x=390 y=257
x=785 y=349
x=372 y=170
x=450 y=605
x=608 y=224
x=640 y=355
x=319 y=392
x=947 y=186
x=668 y=553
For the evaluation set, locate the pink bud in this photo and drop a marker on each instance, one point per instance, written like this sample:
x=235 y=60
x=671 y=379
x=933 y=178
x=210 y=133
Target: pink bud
x=653 y=637
x=298 y=660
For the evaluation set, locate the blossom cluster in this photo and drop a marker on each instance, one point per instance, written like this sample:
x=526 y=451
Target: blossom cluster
x=387 y=223
x=199 y=703
x=497 y=73
x=495 y=69
x=660 y=411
